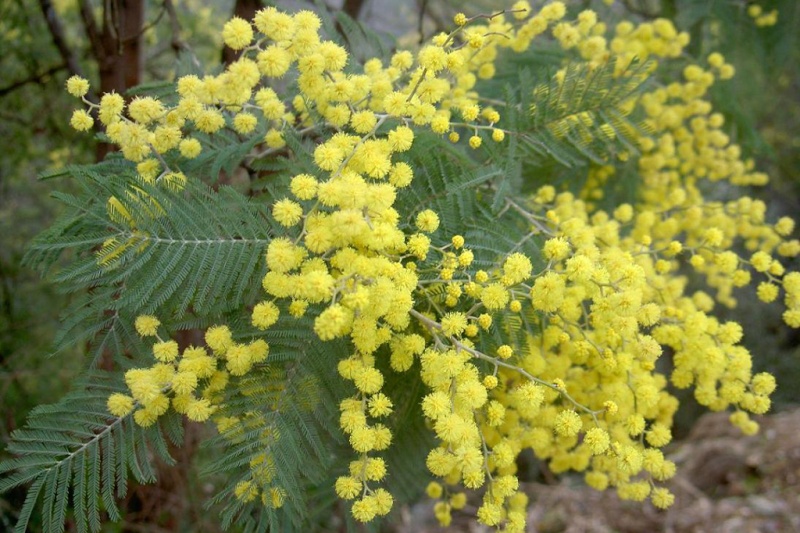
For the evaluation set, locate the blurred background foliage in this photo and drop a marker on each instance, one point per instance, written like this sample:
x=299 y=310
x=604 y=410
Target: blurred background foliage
x=117 y=44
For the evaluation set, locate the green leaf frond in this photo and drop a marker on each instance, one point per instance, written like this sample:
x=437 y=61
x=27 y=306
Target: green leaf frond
x=223 y=152
x=578 y=114
x=136 y=248
x=75 y=450
x=457 y=188
x=362 y=41
x=280 y=431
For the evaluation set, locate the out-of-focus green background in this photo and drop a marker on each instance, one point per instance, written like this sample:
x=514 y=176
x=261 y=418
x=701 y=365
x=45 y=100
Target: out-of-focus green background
x=762 y=105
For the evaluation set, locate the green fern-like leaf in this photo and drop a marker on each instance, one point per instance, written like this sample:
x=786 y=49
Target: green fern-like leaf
x=286 y=411
x=579 y=115
x=199 y=250
x=76 y=450
x=569 y=112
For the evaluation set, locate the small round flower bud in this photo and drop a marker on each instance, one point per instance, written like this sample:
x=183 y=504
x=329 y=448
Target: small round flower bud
x=77 y=86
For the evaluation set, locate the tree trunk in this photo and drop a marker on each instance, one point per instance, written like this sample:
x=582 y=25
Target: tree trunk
x=119 y=51
x=353 y=8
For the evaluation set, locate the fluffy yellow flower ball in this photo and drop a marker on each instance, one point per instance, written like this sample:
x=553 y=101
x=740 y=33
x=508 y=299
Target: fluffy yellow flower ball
x=237 y=33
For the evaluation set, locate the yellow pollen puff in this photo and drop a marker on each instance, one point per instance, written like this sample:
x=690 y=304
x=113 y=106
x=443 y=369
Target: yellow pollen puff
x=274 y=139
x=237 y=33
x=347 y=487
x=784 y=226
x=767 y=292
x=77 y=86
x=81 y=120
x=490 y=382
x=454 y=323
x=761 y=261
x=199 y=410
x=304 y=186
x=184 y=382
x=334 y=322
x=434 y=490
x=658 y=435
x=674 y=248
x=597 y=440
x=494 y=297
x=490 y=115
x=475 y=141
x=727 y=72
x=419 y=245
x=516 y=268
x=265 y=314
x=568 y=423
x=716 y=60
x=219 y=338
x=401 y=138
x=363 y=121
x=287 y=212
x=190 y=148
x=368 y=380
x=244 y=123
x=432 y=58
x=610 y=407
x=111 y=106
x=624 y=213
x=120 y=404
x=754 y=10
x=427 y=221
x=475 y=39
x=465 y=258
x=274 y=61
x=556 y=248
x=662 y=498
x=763 y=384
x=713 y=237
x=521 y=9
x=505 y=351
x=147 y=325
x=380 y=405
x=145 y=110
x=282 y=257
x=165 y=351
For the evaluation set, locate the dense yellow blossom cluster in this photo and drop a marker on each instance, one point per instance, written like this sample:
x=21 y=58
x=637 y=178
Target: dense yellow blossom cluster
x=190 y=380
x=574 y=376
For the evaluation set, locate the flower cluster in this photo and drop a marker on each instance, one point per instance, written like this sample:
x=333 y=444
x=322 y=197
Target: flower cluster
x=188 y=380
x=762 y=19
x=556 y=353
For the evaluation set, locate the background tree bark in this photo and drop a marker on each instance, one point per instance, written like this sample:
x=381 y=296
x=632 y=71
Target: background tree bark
x=117 y=48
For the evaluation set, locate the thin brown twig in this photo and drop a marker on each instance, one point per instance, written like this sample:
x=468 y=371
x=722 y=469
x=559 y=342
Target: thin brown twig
x=60 y=41
x=175 y=26
x=36 y=78
x=421 y=20
x=92 y=33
